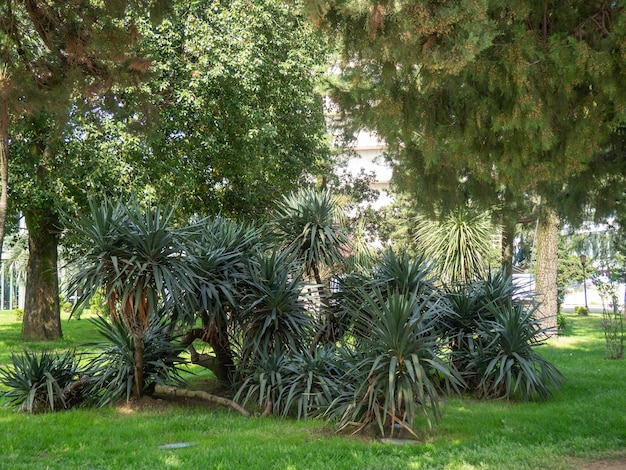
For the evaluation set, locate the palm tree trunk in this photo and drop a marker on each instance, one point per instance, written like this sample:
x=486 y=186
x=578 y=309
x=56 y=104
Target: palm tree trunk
x=328 y=329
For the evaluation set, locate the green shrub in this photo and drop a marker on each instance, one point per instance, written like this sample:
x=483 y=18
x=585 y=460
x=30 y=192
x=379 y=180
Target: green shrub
x=561 y=322
x=273 y=314
x=19 y=314
x=98 y=305
x=41 y=381
x=504 y=355
x=303 y=384
x=581 y=310
x=112 y=371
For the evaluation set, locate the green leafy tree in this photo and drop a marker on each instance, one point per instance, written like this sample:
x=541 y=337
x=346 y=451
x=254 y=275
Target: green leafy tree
x=240 y=122
x=57 y=56
x=228 y=120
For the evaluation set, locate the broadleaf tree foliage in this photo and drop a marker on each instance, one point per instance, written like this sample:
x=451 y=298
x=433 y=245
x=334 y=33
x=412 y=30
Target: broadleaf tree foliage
x=240 y=121
x=56 y=55
x=211 y=106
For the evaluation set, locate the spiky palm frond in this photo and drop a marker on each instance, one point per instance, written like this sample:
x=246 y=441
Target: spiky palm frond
x=273 y=313
x=459 y=245
x=397 y=365
x=308 y=223
x=37 y=381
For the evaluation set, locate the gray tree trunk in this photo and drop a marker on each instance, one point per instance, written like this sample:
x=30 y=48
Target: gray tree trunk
x=547 y=261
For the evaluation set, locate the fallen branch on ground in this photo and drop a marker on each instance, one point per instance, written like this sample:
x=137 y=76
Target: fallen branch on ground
x=181 y=392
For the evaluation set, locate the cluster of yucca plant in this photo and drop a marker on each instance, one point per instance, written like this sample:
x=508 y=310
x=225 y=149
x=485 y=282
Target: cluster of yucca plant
x=111 y=371
x=493 y=340
x=380 y=348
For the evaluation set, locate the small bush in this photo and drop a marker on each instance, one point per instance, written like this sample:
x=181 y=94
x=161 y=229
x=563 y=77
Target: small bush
x=505 y=357
x=303 y=384
x=19 y=314
x=581 y=310
x=561 y=322
x=393 y=371
x=41 y=381
x=98 y=306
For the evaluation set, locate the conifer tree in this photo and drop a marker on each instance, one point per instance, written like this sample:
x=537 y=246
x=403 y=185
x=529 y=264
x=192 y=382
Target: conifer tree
x=518 y=96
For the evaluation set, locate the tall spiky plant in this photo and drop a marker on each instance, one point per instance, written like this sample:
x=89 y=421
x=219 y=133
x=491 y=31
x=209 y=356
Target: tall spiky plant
x=140 y=260
x=309 y=225
x=459 y=245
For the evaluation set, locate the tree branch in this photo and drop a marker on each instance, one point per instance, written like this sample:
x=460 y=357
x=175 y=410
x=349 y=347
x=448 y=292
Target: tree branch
x=181 y=392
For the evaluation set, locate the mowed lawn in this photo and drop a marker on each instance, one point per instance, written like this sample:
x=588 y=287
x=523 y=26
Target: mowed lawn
x=585 y=421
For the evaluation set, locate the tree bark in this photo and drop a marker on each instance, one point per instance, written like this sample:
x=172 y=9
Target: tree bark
x=181 y=392
x=547 y=260
x=138 y=354
x=4 y=153
x=42 y=317
x=507 y=237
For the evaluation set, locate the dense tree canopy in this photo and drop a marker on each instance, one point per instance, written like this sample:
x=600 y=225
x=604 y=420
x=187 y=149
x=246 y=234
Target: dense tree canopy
x=57 y=57
x=516 y=94
x=512 y=101
x=210 y=107
x=240 y=122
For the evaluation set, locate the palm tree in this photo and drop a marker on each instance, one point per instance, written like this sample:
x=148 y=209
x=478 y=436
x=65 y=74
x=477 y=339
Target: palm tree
x=308 y=223
x=139 y=259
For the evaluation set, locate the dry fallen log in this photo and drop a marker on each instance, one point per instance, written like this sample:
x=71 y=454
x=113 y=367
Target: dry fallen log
x=181 y=392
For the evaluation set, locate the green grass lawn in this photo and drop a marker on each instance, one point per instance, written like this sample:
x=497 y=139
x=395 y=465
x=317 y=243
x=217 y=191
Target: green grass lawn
x=585 y=420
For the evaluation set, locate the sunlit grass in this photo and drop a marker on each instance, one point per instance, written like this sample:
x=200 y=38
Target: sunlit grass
x=584 y=420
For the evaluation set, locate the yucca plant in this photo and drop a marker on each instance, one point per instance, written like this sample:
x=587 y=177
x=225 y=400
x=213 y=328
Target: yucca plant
x=459 y=244
x=395 y=272
x=475 y=305
x=395 y=367
x=41 y=381
x=314 y=380
x=221 y=249
x=112 y=370
x=308 y=225
x=403 y=273
x=139 y=257
x=273 y=312
x=262 y=383
x=302 y=384
x=506 y=359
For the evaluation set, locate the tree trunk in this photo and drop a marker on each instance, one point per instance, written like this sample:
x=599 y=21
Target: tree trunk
x=138 y=354
x=508 y=235
x=547 y=260
x=4 y=153
x=42 y=317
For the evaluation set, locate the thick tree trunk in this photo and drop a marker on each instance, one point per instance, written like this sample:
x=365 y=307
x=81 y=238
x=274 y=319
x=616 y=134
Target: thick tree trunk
x=547 y=260
x=42 y=318
x=4 y=153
